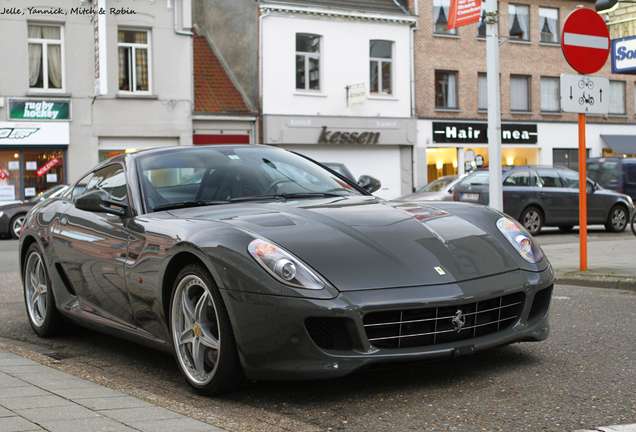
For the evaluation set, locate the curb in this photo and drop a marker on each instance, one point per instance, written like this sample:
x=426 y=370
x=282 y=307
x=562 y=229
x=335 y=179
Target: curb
x=611 y=282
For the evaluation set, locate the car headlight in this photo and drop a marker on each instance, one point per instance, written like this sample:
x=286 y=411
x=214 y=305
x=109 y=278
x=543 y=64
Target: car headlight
x=521 y=240
x=284 y=266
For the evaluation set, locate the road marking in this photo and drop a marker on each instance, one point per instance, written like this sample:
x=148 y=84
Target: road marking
x=585 y=41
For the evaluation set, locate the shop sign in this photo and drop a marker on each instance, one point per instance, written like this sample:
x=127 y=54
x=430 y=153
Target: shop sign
x=27 y=133
x=339 y=137
x=624 y=56
x=356 y=95
x=7 y=193
x=39 y=109
x=477 y=133
x=47 y=166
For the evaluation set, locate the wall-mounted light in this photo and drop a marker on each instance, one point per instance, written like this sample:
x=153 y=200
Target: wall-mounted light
x=510 y=160
x=439 y=164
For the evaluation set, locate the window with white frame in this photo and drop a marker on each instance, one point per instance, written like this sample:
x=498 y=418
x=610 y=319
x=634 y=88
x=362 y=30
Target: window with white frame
x=381 y=63
x=482 y=91
x=549 y=25
x=550 y=94
x=481 y=25
x=617 y=97
x=440 y=17
x=519 y=21
x=307 y=62
x=520 y=93
x=446 y=89
x=134 y=60
x=46 y=64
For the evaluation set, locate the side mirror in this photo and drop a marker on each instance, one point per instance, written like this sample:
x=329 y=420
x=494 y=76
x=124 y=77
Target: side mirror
x=369 y=184
x=591 y=186
x=99 y=201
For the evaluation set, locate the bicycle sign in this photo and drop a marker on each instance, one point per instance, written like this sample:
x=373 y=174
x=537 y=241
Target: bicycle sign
x=584 y=94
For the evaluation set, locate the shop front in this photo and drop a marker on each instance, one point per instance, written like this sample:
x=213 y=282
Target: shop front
x=32 y=158
x=375 y=146
x=459 y=147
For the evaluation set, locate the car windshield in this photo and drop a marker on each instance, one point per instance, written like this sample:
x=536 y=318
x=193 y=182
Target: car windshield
x=436 y=185
x=222 y=175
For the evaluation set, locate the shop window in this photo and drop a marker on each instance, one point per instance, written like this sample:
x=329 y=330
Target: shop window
x=549 y=25
x=9 y=176
x=440 y=17
x=446 y=89
x=482 y=91
x=307 y=62
x=617 y=97
x=46 y=60
x=550 y=99
x=519 y=21
x=134 y=61
x=381 y=58
x=43 y=169
x=568 y=158
x=520 y=93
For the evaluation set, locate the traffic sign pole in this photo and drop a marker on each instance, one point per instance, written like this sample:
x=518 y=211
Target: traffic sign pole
x=582 y=194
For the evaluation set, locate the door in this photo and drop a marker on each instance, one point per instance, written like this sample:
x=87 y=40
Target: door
x=92 y=248
x=554 y=196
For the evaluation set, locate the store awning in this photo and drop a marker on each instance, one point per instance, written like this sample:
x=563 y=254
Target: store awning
x=621 y=144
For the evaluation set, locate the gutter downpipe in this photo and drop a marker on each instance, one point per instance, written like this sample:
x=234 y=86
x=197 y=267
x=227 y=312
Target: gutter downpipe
x=179 y=32
x=260 y=70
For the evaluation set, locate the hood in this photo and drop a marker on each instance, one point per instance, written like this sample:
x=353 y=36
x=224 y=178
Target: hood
x=363 y=242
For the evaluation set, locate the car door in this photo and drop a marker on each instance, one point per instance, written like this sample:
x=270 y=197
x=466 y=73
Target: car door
x=92 y=248
x=517 y=192
x=554 y=197
x=596 y=207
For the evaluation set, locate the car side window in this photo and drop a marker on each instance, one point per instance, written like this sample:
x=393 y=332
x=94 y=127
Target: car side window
x=111 y=179
x=548 y=178
x=519 y=178
x=571 y=179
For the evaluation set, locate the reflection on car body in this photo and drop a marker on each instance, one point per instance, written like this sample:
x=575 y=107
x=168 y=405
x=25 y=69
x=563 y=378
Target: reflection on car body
x=548 y=196
x=271 y=267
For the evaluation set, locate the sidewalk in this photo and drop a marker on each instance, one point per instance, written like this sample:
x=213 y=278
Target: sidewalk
x=34 y=397
x=611 y=262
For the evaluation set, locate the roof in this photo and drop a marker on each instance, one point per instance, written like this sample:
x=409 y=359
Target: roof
x=384 y=6
x=214 y=92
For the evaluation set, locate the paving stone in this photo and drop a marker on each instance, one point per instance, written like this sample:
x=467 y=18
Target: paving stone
x=17 y=424
x=39 y=415
x=91 y=392
x=129 y=415
x=109 y=403
x=4 y=412
x=184 y=424
x=36 y=402
x=97 y=424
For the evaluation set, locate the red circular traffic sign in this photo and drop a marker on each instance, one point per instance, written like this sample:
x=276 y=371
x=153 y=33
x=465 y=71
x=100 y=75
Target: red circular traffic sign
x=585 y=41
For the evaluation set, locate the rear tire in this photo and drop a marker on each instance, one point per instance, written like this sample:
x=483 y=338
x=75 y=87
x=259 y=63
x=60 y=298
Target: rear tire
x=202 y=334
x=617 y=219
x=15 y=227
x=38 y=295
x=532 y=220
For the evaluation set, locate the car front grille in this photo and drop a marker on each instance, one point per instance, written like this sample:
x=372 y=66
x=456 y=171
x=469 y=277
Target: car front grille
x=435 y=326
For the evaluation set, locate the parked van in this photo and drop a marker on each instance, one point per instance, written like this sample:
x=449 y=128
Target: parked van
x=614 y=173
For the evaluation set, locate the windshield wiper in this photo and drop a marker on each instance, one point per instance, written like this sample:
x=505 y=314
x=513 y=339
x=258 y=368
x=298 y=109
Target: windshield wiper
x=286 y=196
x=186 y=204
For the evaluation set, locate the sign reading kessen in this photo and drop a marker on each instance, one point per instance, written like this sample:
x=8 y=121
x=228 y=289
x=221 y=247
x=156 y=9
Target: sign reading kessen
x=624 y=56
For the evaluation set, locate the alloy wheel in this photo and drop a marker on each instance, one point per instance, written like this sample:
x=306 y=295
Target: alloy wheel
x=35 y=289
x=16 y=226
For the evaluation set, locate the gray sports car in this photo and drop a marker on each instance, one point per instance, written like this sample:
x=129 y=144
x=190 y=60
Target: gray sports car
x=252 y=262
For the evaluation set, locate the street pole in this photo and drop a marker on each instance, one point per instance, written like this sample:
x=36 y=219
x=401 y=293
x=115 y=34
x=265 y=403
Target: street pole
x=582 y=194
x=494 y=105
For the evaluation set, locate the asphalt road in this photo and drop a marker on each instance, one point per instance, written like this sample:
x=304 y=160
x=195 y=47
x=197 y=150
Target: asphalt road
x=582 y=377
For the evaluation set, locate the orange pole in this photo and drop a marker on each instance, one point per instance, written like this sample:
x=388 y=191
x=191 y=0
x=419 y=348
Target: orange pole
x=582 y=193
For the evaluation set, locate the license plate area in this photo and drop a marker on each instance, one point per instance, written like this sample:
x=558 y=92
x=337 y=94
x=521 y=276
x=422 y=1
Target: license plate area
x=470 y=197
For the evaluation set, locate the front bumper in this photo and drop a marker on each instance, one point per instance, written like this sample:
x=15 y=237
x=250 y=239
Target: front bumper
x=285 y=338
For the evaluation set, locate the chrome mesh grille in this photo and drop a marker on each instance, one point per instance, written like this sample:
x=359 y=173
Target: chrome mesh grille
x=434 y=326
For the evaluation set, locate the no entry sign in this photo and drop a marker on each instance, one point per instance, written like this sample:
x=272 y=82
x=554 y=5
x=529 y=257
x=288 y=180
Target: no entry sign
x=585 y=41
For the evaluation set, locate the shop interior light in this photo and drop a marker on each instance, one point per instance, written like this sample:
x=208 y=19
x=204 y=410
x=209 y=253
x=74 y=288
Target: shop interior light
x=130 y=151
x=454 y=164
x=439 y=164
x=429 y=150
x=510 y=161
x=17 y=155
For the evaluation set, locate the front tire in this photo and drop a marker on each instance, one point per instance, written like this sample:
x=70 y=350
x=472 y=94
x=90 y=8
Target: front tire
x=617 y=219
x=532 y=220
x=202 y=334
x=38 y=295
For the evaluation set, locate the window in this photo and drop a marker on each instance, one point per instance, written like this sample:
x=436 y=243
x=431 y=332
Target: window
x=440 y=17
x=446 y=89
x=46 y=69
x=481 y=26
x=111 y=179
x=519 y=178
x=617 y=97
x=550 y=94
x=482 y=91
x=520 y=93
x=381 y=59
x=568 y=158
x=548 y=178
x=519 y=21
x=134 y=61
x=307 y=62
x=549 y=25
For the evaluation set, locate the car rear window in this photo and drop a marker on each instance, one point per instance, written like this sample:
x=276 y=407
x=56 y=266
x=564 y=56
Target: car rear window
x=519 y=178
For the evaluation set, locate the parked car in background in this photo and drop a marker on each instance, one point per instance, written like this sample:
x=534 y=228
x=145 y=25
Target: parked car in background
x=272 y=267
x=437 y=190
x=615 y=173
x=549 y=196
x=12 y=214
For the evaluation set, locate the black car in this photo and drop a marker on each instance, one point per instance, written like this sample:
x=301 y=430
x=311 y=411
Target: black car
x=269 y=266
x=549 y=196
x=12 y=215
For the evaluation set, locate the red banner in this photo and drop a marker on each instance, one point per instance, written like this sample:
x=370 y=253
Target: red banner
x=47 y=166
x=3 y=174
x=463 y=12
